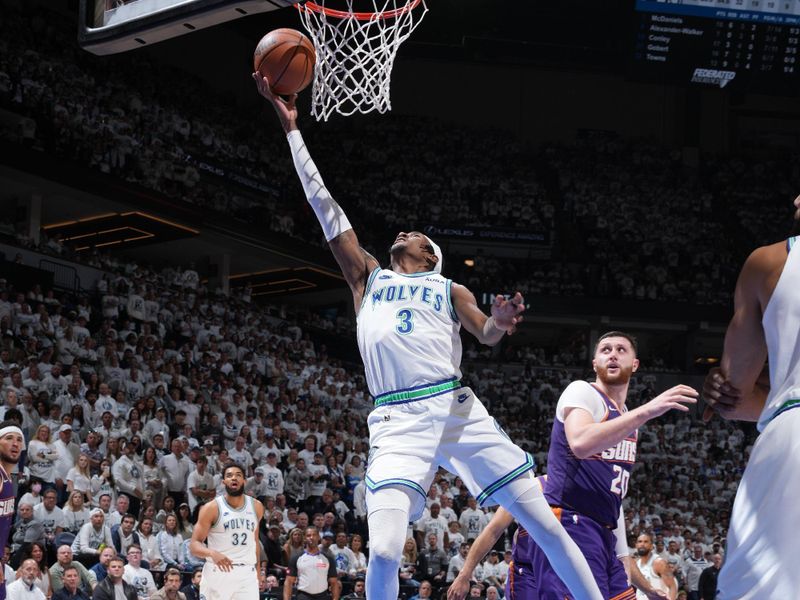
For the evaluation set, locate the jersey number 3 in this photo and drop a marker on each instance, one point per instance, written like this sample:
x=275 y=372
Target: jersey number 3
x=619 y=485
x=405 y=323
x=239 y=539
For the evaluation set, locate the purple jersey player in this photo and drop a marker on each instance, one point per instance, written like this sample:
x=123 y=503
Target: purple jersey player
x=592 y=452
x=11 y=444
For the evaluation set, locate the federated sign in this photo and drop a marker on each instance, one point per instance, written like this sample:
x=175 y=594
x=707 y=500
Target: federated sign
x=490 y=234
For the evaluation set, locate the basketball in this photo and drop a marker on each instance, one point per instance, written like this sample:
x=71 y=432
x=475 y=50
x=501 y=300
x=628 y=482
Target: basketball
x=286 y=58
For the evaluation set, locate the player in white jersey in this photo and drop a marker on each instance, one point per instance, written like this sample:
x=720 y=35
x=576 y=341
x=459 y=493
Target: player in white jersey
x=230 y=523
x=759 y=560
x=409 y=318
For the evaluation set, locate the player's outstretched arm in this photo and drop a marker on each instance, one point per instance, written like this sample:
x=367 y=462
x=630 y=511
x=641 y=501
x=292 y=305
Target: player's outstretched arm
x=480 y=548
x=737 y=393
x=205 y=519
x=587 y=437
x=356 y=264
x=506 y=314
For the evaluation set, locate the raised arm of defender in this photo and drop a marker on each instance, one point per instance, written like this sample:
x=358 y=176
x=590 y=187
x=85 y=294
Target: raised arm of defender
x=355 y=263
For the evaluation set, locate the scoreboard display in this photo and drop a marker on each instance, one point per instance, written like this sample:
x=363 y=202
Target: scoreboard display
x=732 y=44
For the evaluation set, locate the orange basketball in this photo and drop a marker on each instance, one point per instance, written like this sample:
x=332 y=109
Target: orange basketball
x=286 y=58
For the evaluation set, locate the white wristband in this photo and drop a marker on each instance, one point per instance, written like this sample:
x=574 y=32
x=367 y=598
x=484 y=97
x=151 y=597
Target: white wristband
x=329 y=214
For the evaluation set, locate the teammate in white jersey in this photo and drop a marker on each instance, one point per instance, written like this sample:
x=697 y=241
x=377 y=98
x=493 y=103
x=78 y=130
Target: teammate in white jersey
x=230 y=523
x=408 y=334
x=759 y=560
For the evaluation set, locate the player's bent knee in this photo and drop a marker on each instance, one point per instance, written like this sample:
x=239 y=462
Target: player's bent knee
x=513 y=490
x=524 y=499
x=386 y=538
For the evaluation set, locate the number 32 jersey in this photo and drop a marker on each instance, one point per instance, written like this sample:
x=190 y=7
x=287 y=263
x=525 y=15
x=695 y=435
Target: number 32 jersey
x=234 y=532
x=594 y=486
x=408 y=331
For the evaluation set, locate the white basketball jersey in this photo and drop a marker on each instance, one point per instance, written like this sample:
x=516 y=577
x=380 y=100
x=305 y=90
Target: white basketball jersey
x=408 y=331
x=781 y=324
x=234 y=532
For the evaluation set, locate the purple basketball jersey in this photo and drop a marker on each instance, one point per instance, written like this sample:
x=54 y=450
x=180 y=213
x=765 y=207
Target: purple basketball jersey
x=594 y=486
x=6 y=515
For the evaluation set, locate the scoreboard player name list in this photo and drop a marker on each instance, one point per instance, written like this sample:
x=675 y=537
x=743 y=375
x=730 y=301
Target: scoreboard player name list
x=661 y=32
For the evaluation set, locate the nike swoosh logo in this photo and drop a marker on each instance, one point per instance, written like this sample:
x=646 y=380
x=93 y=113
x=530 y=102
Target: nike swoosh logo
x=462 y=398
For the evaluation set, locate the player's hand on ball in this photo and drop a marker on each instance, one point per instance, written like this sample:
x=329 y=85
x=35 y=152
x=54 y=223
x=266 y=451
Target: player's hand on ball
x=285 y=107
x=507 y=313
x=674 y=398
x=222 y=561
x=720 y=396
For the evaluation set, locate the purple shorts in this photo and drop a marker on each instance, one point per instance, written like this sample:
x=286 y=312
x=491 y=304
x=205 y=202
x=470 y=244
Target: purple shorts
x=520 y=584
x=598 y=545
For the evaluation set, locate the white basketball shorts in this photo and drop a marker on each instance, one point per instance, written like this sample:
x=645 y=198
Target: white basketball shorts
x=410 y=440
x=240 y=583
x=761 y=555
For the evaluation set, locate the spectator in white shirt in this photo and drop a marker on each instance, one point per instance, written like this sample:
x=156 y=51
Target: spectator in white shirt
x=79 y=477
x=24 y=588
x=49 y=515
x=255 y=486
x=134 y=574
x=200 y=484
x=91 y=536
x=176 y=467
x=68 y=452
x=129 y=476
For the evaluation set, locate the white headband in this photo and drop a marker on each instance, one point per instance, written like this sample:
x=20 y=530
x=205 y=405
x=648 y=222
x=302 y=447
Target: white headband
x=11 y=429
x=438 y=253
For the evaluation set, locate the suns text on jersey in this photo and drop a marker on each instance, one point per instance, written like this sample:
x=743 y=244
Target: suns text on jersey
x=406 y=293
x=625 y=451
x=6 y=507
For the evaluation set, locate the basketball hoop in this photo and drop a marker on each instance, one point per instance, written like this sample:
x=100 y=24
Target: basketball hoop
x=356 y=52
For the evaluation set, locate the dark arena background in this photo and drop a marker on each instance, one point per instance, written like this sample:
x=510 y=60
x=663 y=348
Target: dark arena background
x=615 y=162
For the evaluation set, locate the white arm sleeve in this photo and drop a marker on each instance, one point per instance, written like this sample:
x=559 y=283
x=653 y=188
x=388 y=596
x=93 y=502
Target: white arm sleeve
x=622 y=539
x=580 y=394
x=330 y=215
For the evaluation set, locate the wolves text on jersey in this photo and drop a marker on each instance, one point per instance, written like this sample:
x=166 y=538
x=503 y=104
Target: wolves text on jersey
x=236 y=523
x=406 y=292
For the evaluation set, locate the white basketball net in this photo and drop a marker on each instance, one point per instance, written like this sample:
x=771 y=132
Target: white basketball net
x=356 y=52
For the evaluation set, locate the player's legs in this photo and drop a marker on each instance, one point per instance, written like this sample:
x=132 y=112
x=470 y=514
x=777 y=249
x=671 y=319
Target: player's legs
x=759 y=561
x=246 y=583
x=598 y=546
x=212 y=584
x=497 y=471
x=524 y=499
x=388 y=522
x=241 y=583
x=403 y=441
